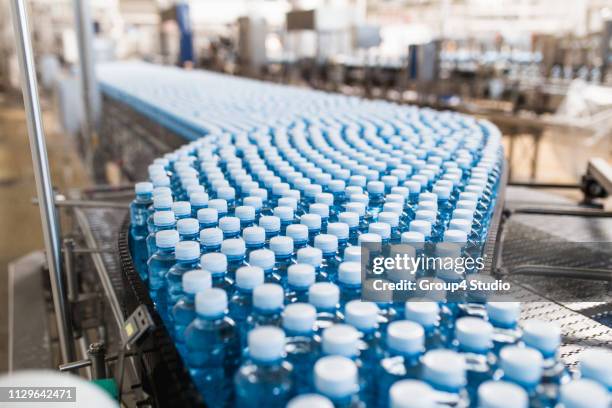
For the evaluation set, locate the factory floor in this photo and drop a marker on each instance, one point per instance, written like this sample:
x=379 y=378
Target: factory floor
x=19 y=218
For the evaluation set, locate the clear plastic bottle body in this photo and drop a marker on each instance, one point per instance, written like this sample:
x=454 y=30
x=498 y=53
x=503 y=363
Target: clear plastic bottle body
x=392 y=368
x=183 y=313
x=302 y=350
x=158 y=266
x=173 y=286
x=264 y=384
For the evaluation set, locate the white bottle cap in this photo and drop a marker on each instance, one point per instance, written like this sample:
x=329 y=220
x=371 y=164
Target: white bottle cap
x=426 y=215
x=254 y=235
x=298 y=232
x=322 y=210
x=161 y=191
x=211 y=302
x=584 y=394
x=360 y=198
x=312 y=221
x=226 y=193
x=352 y=254
x=361 y=315
x=454 y=235
x=425 y=313
x=412 y=394
x=245 y=213
x=299 y=317
x=336 y=377
x=198 y=198
x=219 y=204
x=542 y=336
x=445 y=368
x=369 y=238
x=341 y=339
x=207 y=215
x=376 y=187
x=474 y=333
x=144 y=187
x=357 y=180
x=406 y=337
x=262 y=258
x=460 y=225
x=349 y=218
x=395 y=199
x=349 y=273
x=211 y=236
x=166 y=238
x=412 y=237
x=311 y=256
x=463 y=214
x=325 y=198
x=596 y=364
x=196 y=281
x=268 y=296
x=469 y=205
x=355 y=207
x=187 y=250
x=284 y=213
x=310 y=401
x=390 y=218
x=181 y=208
x=336 y=186
x=339 y=229
x=327 y=243
x=270 y=223
x=266 y=343
x=163 y=218
x=422 y=226
x=301 y=275
x=187 y=226
x=502 y=394
x=162 y=201
x=380 y=228
x=253 y=201
x=324 y=295
x=521 y=364
x=229 y=224
x=503 y=313
x=214 y=262
x=233 y=247
x=287 y=202
x=249 y=277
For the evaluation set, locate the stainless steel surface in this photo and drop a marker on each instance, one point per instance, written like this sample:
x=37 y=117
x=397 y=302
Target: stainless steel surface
x=44 y=187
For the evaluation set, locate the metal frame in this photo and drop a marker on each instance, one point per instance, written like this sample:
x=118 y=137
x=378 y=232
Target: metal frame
x=42 y=176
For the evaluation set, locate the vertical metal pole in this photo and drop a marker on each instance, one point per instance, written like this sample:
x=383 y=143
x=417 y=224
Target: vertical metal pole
x=42 y=176
x=89 y=90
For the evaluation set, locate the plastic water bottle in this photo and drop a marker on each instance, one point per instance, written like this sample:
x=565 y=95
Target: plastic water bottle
x=337 y=378
x=286 y=216
x=188 y=229
x=220 y=205
x=230 y=227
x=310 y=401
x=341 y=231
x=159 y=264
x=266 y=379
x=210 y=240
x=474 y=342
x=213 y=350
x=504 y=318
x=325 y=297
x=139 y=212
x=314 y=257
x=265 y=259
x=300 y=277
x=313 y=223
x=187 y=254
x=501 y=394
x=391 y=219
x=444 y=370
x=162 y=220
x=376 y=191
x=183 y=311
x=241 y=302
x=216 y=264
x=235 y=251
x=282 y=248
x=405 y=344
x=349 y=281
x=267 y=308
x=328 y=245
x=299 y=234
x=596 y=365
x=198 y=201
x=254 y=238
x=411 y=394
x=427 y=314
x=523 y=366
x=161 y=202
x=246 y=214
x=208 y=218
x=352 y=220
x=301 y=346
x=584 y=394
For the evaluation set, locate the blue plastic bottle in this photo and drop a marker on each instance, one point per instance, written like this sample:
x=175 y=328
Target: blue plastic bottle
x=267 y=308
x=213 y=351
x=352 y=220
x=220 y=205
x=584 y=394
x=523 y=367
x=246 y=214
x=159 y=264
x=265 y=259
x=427 y=314
x=504 y=318
x=188 y=229
x=283 y=255
x=198 y=201
x=266 y=378
x=349 y=281
x=314 y=257
x=313 y=223
x=161 y=202
x=341 y=231
x=299 y=234
x=405 y=344
x=235 y=250
x=337 y=378
x=301 y=346
x=286 y=216
x=383 y=230
x=412 y=394
x=271 y=225
x=328 y=245
x=187 y=254
x=473 y=338
x=183 y=311
x=162 y=220
x=444 y=370
x=360 y=210
x=391 y=219
x=325 y=297
x=208 y=218
x=139 y=212
x=322 y=210
x=300 y=277
x=230 y=227
x=241 y=302
x=501 y=394
x=376 y=191
x=216 y=264
x=596 y=365
x=254 y=238
x=210 y=240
